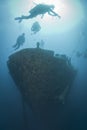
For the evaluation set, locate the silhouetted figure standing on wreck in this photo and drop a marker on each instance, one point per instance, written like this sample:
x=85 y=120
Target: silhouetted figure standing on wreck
x=39 y=9
x=20 y=41
x=38 y=45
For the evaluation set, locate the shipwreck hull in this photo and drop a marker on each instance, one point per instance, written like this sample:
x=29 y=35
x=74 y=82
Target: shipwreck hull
x=43 y=79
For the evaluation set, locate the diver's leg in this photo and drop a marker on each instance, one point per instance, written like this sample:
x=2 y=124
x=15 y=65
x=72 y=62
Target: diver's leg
x=17 y=18
x=17 y=47
x=14 y=45
x=22 y=17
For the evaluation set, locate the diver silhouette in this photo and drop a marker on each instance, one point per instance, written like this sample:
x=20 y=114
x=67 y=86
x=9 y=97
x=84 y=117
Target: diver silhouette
x=20 y=41
x=39 y=9
x=35 y=27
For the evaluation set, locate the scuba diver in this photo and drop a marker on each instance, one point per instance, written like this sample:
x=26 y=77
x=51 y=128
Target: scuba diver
x=20 y=41
x=35 y=27
x=39 y=9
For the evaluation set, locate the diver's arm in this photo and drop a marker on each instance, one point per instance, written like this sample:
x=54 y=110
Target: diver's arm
x=52 y=13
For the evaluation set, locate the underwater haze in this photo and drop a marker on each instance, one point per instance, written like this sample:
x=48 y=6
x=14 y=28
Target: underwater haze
x=67 y=35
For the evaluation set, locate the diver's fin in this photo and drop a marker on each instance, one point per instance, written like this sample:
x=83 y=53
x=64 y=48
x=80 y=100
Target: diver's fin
x=17 y=47
x=19 y=19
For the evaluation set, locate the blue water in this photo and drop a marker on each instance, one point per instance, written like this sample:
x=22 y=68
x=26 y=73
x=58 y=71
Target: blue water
x=73 y=114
